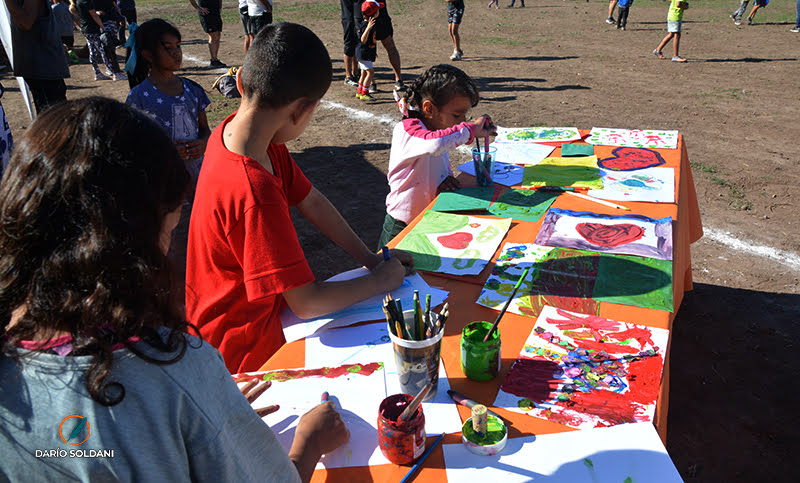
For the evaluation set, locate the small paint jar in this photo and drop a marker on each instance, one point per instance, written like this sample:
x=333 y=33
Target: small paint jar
x=480 y=361
x=400 y=441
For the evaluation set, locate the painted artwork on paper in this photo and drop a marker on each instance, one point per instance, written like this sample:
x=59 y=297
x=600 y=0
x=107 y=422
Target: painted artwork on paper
x=356 y=389
x=466 y=198
x=454 y=244
x=623 y=234
x=634 y=138
x=581 y=172
x=537 y=134
x=631 y=159
x=626 y=453
x=524 y=205
x=504 y=173
x=654 y=185
x=586 y=371
x=576 y=280
x=522 y=153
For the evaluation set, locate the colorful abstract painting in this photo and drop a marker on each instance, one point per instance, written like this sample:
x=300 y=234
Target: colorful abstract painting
x=579 y=172
x=586 y=371
x=356 y=389
x=576 y=280
x=522 y=153
x=634 y=138
x=655 y=185
x=631 y=159
x=623 y=234
x=454 y=244
x=525 y=205
x=537 y=134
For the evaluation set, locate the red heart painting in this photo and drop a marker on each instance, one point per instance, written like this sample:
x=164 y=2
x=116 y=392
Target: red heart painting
x=456 y=241
x=610 y=236
x=629 y=159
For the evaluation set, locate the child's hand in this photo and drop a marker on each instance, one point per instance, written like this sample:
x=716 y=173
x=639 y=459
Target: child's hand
x=191 y=149
x=485 y=127
x=252 y=390
x=449 y=184
x=320 y=429
x=371 y=22
x=389 y=274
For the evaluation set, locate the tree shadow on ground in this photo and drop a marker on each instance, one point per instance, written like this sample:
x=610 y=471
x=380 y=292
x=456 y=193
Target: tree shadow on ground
x=734 y=350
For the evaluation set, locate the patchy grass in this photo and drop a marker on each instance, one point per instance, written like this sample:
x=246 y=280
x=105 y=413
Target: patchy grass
x=502 y=41
x=705 y=168
x=732 y=93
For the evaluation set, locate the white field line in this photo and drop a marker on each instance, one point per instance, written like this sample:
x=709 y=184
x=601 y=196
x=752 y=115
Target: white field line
x=358 y=113
x=791 y=260
x=195 y=60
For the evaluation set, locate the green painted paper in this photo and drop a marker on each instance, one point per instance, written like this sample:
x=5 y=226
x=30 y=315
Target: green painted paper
x=559 y=171
x=638 y=281
x=465 y=199
x=525 y=205
x=577 y=150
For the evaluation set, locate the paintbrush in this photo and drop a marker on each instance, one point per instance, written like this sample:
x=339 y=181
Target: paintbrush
x=508 y=302
x=414 y=404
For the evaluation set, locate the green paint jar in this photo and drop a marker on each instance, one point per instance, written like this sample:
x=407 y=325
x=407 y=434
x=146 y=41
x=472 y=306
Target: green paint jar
x=480 y=361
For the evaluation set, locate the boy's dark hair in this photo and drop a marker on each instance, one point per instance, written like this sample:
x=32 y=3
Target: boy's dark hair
x=439 y=84
x=285 y=62
x=81 y=213
x=148 y=37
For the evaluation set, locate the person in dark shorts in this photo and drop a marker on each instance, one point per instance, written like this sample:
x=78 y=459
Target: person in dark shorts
x=384 y=33
x=211 y=20
x=245 y=18
x=455 y=12
x=260 y=14
x=351 y=18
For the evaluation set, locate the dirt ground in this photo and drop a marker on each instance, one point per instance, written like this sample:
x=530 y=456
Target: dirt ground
x=737 y=102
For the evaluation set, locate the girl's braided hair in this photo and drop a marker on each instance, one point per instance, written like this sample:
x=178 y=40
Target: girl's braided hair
x=439 y=84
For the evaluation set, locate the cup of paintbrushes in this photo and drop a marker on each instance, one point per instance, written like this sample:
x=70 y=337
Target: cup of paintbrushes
x=483 y=161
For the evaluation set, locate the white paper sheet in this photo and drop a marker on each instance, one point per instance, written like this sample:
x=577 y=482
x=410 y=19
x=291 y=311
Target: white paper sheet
x=357 y=399
x=295 y=328
x=656 y=185
x=628 y=453
x=522 y=153
x=369 y=343
x=504 y=173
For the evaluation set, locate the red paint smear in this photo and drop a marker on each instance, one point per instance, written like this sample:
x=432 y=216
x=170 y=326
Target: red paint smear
x=642 y=335
x=532 y=378
x=575 y=321
x=327 y=372
x=644 y=378
x=456 y=241
x=599 y=323
x=609 y=236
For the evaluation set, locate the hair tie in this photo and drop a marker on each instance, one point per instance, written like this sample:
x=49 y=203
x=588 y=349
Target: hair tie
x=401 y=103
x=130 y=65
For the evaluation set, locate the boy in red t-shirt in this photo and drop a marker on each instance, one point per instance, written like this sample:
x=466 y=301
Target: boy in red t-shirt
x=244 y=260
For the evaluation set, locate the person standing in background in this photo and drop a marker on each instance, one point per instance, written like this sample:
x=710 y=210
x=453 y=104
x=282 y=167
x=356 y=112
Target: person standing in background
x=38 y=55
x=209 y=12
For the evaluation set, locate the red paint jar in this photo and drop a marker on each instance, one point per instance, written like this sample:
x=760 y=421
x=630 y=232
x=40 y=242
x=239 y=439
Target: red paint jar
x=400 y=441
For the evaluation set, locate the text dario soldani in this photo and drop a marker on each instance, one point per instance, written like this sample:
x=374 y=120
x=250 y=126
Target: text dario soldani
x=74 y=430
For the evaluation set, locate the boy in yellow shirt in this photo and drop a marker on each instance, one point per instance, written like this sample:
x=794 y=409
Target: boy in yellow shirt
x=674 y=20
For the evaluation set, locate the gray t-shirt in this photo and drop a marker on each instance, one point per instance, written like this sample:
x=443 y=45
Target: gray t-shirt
x=178 y=422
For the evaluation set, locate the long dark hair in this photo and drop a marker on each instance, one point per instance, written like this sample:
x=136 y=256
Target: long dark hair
x=439 y=84
x=148 y=37
x=81 y=210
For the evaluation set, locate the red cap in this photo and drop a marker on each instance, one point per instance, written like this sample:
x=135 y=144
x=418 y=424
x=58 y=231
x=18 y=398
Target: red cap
x=370 y=7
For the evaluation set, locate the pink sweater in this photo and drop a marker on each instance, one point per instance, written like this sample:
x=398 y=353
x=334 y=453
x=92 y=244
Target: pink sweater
x=418 y=163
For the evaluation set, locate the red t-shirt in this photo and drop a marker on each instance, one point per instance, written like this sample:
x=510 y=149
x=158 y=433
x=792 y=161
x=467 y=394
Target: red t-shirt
x=243 y=251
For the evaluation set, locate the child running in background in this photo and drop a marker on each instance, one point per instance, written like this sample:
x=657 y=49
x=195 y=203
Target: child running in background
x=367 y=50
x=756 y=5
x=674 y=21
x=177 y=104
x=622 y=18
x=434 y=122
x=245 y=262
